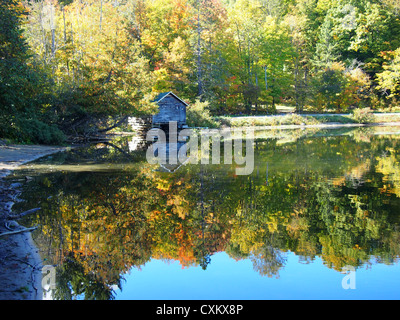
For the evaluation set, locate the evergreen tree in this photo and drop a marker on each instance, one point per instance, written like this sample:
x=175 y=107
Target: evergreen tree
x=326 y=49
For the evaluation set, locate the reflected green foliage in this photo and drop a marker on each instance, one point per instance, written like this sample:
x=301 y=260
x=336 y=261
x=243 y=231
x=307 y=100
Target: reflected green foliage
x=334 y=196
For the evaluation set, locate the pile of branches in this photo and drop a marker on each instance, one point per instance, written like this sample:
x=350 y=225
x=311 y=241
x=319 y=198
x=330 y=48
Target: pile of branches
x=87 y=128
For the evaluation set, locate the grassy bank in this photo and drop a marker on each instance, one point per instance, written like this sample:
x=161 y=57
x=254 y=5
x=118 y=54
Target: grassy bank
x=295 y=119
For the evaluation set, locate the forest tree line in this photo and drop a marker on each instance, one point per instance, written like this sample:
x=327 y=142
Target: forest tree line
x=67 y=64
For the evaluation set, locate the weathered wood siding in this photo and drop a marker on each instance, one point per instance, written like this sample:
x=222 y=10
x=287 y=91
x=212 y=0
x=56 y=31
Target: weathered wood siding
x=170 y=109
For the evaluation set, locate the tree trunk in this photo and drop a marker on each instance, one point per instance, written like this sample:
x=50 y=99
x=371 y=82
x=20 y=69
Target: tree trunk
x=53 y=31
x=101 y=13
x=43 y=35
x=199 y=60
x=65 y=35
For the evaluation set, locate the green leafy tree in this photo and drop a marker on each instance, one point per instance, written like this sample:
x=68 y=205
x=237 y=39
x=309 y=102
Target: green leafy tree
x=389 y=79
x=326 y=51
x=25 y=92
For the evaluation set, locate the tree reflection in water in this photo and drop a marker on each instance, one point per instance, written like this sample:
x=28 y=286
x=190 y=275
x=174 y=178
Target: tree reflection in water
x=105 y=211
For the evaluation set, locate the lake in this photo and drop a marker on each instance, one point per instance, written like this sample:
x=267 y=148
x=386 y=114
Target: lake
x=318 y=218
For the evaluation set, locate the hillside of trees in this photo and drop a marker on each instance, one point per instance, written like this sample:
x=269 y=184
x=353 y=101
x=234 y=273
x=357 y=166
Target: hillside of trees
x=66 y=65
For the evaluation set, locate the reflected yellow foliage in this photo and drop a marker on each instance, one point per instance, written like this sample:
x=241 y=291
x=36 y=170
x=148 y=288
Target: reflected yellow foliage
x=390 y=168
x=110 y=222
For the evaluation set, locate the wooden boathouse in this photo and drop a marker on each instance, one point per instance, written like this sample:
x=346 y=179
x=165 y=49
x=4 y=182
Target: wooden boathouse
x=170 y=108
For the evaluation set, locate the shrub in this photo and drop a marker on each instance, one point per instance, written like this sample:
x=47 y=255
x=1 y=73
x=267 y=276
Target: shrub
x=337 y=88
x=198 y=115
x=364 y=115
x=36 y=131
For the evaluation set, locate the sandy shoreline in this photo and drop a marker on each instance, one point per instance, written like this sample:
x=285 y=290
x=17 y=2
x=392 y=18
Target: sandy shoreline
x=20 y=262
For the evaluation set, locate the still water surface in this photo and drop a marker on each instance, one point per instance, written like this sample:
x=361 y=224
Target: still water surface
x=317 y=204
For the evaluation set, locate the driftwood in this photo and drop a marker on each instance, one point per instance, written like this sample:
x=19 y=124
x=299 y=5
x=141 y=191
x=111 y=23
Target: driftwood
x=18 y=216
x=12 y=225
x=18 y=231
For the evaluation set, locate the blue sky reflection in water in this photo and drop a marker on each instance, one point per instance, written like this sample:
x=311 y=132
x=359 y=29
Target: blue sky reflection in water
x=317 y=201
x=236 y=280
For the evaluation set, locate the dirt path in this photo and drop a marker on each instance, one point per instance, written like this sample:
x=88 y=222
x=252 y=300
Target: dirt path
x=20 y=263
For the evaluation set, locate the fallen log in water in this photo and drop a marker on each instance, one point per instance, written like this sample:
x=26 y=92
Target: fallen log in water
x=19 y=216
x=18 y=231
